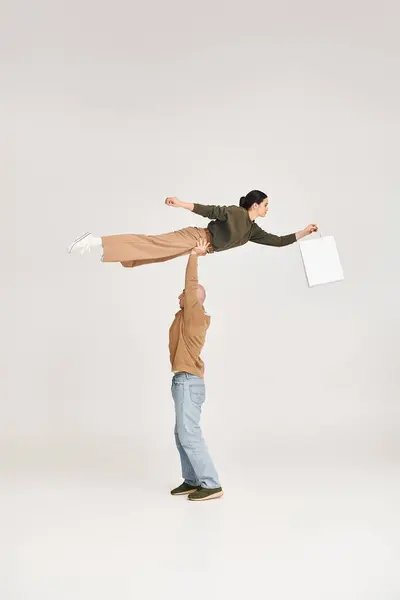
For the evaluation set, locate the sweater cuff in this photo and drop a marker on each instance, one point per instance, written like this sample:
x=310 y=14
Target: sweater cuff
x=200 y=209
x=286 y=240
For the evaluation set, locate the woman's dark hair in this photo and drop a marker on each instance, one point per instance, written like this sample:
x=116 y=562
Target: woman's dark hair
x=255 y=196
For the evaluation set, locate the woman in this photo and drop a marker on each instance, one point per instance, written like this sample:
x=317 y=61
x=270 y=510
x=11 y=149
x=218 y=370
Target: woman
x=230 y=227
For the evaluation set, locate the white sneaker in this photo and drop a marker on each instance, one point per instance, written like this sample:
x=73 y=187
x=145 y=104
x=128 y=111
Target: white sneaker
x=83 y=244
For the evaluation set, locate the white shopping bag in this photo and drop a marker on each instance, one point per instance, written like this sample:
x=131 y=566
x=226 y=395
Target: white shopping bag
x=321 y=260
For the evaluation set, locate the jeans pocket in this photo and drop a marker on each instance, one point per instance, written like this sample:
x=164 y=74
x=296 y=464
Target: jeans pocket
x=177 y=389
x=197 y=393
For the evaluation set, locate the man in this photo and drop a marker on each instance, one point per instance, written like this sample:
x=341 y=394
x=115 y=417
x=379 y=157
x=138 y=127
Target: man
x=186 y=340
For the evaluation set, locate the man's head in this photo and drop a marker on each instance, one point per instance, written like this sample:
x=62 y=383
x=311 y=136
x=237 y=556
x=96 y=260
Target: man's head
x=201 y=295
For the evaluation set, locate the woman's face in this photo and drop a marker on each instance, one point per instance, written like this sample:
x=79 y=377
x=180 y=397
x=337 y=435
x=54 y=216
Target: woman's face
x=263 y=208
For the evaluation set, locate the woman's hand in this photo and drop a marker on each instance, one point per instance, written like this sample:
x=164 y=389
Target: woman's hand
x=201 y=249
x=173 y=202
x=310 y=229
x=307 y=231
x=179 y=204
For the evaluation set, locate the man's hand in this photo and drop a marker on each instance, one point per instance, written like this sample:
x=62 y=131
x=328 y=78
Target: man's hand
x=201 y=249
x=173 y=202
x=307 y=231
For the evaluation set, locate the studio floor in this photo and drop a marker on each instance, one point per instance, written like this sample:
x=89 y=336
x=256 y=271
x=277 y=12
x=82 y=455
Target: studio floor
x=283 y=533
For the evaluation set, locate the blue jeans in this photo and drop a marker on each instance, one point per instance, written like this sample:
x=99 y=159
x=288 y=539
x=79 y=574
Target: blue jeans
x=188 y=392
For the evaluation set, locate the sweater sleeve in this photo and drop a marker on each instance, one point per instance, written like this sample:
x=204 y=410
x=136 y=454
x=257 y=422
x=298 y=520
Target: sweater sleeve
x=192 y=309
x=220 y=213
x=259 y=236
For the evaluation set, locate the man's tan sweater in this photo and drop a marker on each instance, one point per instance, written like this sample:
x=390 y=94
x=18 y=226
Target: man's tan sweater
x=187 y=333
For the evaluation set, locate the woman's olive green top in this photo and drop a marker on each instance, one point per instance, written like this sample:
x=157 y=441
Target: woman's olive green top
x=231 y=227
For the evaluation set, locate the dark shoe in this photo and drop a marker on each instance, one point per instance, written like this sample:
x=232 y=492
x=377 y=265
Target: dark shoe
x=206 y=494
x=184 y=489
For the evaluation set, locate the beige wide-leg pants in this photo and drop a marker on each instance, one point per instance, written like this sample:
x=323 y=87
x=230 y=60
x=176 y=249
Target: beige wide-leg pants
x=133 y=250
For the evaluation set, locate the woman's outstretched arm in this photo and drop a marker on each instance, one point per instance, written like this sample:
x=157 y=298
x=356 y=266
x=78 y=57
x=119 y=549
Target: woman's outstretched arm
x=220 y=213
x=179 y=204
x=259 y=236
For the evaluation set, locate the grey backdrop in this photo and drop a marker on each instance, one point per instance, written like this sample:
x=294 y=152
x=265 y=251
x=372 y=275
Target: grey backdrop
x=106 y=109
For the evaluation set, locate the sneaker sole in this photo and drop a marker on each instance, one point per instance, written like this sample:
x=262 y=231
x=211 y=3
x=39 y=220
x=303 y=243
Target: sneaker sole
x=79 y=239
x=211 y=497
